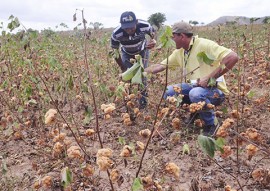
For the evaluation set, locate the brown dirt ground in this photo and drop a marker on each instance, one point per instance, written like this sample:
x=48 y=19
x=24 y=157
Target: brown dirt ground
x=29 y=159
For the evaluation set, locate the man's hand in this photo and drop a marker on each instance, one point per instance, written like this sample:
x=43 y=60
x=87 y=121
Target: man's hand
x=120 y=77
x=203 y=82
x=155 y=68
x=151 y=44
x=123 y=69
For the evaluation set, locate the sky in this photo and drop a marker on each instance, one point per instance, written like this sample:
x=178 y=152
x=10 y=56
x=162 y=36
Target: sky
x=45 y=14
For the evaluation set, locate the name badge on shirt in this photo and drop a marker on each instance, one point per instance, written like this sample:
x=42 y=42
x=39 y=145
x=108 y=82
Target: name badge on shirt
x=219 y=79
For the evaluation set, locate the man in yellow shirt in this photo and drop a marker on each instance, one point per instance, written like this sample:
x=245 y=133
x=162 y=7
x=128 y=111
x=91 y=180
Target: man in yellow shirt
x=192 y=55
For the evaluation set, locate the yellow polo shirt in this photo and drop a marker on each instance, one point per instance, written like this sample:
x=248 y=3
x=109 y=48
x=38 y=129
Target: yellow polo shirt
x=189 y=62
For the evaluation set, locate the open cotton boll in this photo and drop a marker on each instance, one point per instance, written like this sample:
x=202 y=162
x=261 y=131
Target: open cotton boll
x=172 y=168
x=50 y=116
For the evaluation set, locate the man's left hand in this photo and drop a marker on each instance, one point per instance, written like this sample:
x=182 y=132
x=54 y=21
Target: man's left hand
x=151 y=44
x=203 y=82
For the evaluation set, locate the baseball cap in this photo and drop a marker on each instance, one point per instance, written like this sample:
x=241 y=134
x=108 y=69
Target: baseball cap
x=182 y=27
x=128 y=20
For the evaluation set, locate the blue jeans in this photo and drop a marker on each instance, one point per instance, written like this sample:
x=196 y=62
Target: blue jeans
x=194 y=94
x=126 y=62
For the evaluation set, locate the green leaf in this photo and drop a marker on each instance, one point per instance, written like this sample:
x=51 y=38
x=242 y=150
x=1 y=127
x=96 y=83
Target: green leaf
x=87 y=119
x=250 y=94
x=84 y=87
x=74 y=17
x=220 y=142
x=186 y=149
x=169 y=43
x=216 y=123
x=266 y=57
x=119 y=90
x=235 y=71
x=70 y=82
x=156 y=53
x=179 y=99
x=202 y=58
x=207 y=144
x=132 y=148
x=104 y=88
x=141 y=62
x=34 y=34
x=137 y=185
x=224 y=110
x=121 y=140
x=4 y=84
x=32 y=102
x=59 y=87
x=10 y=17
x=88 y=116
x=33 y=79
x=212 y=82
x=137 y=78
x=28 y=91
x=66 y=177
x=15 y=23
x=129 y=74
x=4 y=167
x=165 y=38
x=9 y=26
x=54 y=64
x=20 y=109
x=114 y=53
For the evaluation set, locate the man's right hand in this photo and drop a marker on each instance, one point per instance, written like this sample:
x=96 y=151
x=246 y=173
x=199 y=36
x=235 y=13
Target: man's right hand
x=123 y=69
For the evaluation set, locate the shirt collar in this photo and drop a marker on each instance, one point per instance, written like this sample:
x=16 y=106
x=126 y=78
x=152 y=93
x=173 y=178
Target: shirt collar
x=192 y=41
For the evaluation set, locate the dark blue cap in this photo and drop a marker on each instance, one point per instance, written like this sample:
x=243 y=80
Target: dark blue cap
x=128 y=20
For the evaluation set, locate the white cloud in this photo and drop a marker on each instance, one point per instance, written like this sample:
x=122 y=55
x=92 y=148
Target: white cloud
x=40 y=14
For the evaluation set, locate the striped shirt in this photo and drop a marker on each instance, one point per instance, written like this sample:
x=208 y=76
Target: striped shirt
x=132 y=44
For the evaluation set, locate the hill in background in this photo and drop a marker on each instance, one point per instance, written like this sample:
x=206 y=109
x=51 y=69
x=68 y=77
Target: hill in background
x=241 y=20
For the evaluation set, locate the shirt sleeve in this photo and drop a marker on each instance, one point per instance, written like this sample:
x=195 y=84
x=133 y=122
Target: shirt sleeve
x=146 y=28
x=174 y=60
x=114 y=42
x=152 y=31
x=216 y=52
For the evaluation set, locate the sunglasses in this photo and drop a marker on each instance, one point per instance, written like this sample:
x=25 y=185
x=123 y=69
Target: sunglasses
x=174 y=33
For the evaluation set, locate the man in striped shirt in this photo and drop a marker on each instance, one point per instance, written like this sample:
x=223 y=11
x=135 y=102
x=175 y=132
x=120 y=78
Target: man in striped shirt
x=130 y=36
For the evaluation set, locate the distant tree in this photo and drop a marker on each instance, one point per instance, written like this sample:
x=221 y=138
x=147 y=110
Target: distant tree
x=195 y=22
x=157 y=19
x=48 y=32
x=20 y=34
x=231 y=23
x=266 y=20
x=253 y=19
x=63 y=25
x=96 y=25
x=30 y=30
